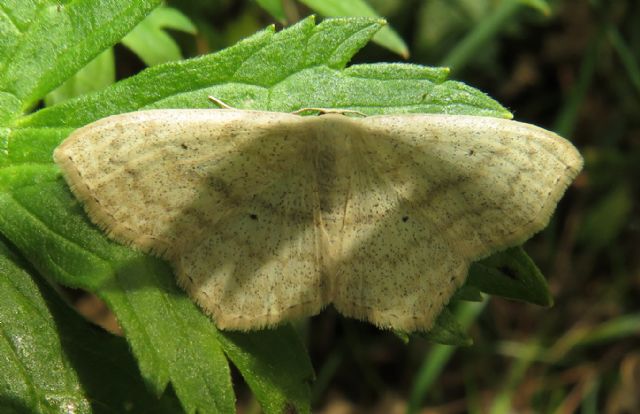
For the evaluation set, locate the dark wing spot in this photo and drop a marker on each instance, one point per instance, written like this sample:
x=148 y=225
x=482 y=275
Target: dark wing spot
x=253 y=216
x=184 y=146
x=405 y=218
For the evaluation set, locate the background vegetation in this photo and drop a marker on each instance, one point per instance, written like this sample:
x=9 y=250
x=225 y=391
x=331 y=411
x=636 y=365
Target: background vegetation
x=571 y=66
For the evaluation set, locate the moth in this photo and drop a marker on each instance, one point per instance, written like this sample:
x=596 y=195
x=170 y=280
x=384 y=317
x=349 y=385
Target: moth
x=268 y=216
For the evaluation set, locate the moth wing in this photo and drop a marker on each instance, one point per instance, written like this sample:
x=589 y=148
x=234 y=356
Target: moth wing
x=223 y=195
x=430 y=195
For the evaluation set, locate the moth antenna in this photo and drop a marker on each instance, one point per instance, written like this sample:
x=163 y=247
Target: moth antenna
x=220 y=103
x=329 y=111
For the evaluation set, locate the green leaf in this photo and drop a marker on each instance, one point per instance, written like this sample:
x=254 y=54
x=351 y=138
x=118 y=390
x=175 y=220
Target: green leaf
x=96 y=75
x=49 y=41
x=58 y=360
x=9 y=108
x=386 y=37
x=274 y=8
x=511 y=274
x=36 y=376
x=266 y=71
x=267 y=359
x=149 y=41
